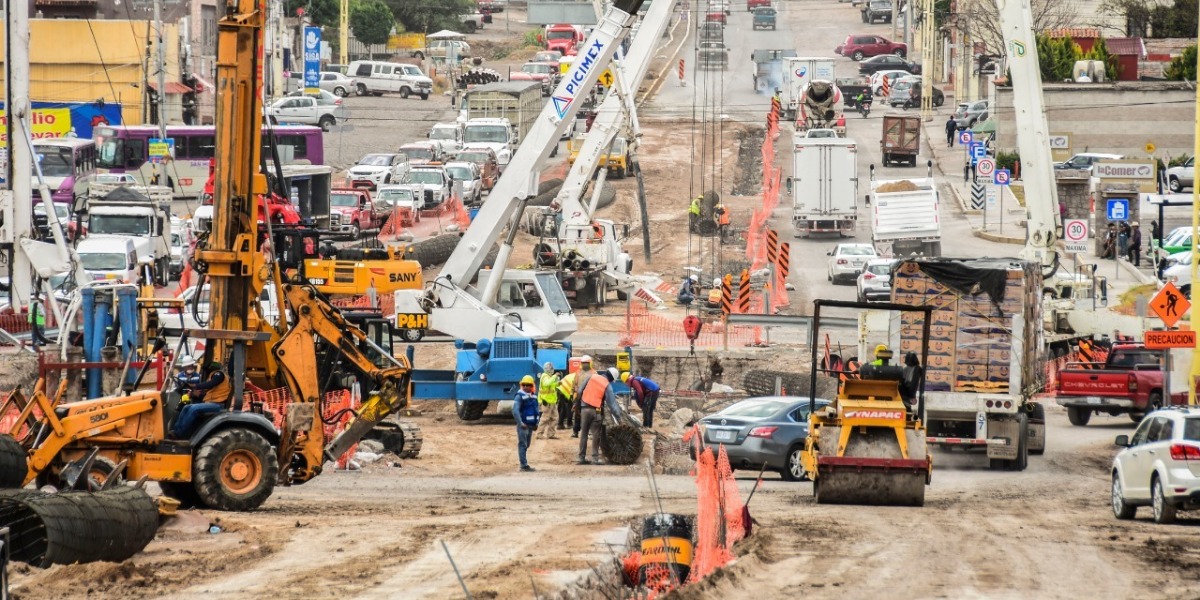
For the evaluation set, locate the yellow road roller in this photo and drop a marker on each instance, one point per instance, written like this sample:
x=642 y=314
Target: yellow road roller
x=868 y=445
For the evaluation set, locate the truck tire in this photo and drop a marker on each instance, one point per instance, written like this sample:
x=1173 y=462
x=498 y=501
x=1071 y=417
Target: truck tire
x=435 y=250
x=361 y=88
x=1022 y=460
x=1155 y=401
x=235 y=470
x=470 y=411
x=469 y=26
x=1079 y=416
x=355 y=231
x=424 y=96
x=1038 y=416
x=327 y=122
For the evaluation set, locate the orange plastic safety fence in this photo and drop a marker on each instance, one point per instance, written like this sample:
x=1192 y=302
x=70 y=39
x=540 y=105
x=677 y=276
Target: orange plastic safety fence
x=334 y=411
x=718 y=513
x=651 y=330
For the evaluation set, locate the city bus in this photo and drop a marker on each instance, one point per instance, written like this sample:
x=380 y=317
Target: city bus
x=125 y=149
x=68 y=165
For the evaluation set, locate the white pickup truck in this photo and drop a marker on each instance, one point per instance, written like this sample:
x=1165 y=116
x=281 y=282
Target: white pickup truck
x=145 y=218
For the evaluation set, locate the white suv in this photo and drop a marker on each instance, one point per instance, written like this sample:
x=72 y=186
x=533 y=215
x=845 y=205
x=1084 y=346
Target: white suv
x=305 y=110
x=1160 y=466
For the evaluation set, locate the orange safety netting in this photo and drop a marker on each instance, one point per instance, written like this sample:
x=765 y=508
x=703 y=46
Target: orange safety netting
x=384 y=303
x=337 y=410
x=647 y=329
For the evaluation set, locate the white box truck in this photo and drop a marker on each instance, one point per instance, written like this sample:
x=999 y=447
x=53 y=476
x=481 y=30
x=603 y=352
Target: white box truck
x=904 y=215
x=797 y=72
x=824 y=186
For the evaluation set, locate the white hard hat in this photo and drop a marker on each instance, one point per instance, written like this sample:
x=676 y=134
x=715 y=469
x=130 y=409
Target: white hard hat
x=585 y=359
x=614 y=372
x=185 y=361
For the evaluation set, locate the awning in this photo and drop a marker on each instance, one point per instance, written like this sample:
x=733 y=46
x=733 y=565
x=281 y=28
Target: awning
x=204 y=84
x=173 y=87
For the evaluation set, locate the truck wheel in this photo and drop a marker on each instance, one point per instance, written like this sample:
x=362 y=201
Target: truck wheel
x=469 y=26
x=362 y=89
x=1022 y=460
x=1078 y=416
x=412 y=335
x=355 y=231
x=235 y=470
x=1155 y=402
x=424 y=96
x=405 y=92
x=470 y=411
x=327 y=122
x=1038 y=417
x=419 y=55
x=1175 y=185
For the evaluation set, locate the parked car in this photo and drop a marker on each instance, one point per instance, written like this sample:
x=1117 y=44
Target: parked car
x=769 y=430
x=1086 y=161
x=304 y=110
x=434 y=182
x=376 y=169
x=1176 y=241
x=323 y=97
x=967 y=114
x=337 y=83
x=875 y=281
x=848 y=260
x=1181 y=275
x=485 y=159
x=1159 y=466
x=877 y=10
x=1128 y=382
x=472 y=181
x=907 y=94
x=891 y=75
x=861 y=46
x=887 y=62
x=1183 y=176
x=440 y=50
x=422 y=153
x=405 y=202
x=379 y=77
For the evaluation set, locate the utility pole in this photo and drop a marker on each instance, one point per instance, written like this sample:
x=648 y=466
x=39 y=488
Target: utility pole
x=18 y=215
x=160 y=171
x=1195 y=372
x=927 y=60
x=344 y=34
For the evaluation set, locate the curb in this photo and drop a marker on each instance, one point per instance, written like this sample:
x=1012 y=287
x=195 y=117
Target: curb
x=994 y=237
x=659 y=78
x=1142 y=278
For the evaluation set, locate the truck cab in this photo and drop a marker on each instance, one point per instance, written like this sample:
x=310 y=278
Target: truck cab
x=128 y=215
x=352 y=211
x=563 y=38
x=109 y=257
x=495 y=134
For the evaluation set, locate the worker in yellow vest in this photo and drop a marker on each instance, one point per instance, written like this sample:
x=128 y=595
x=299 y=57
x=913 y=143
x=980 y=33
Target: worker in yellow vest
x=566 y=392
x=548 y=400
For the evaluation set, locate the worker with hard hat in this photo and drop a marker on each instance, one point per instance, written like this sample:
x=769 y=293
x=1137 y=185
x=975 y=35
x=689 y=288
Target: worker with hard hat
x=548 y=400
x=593 y=391
x=694 y=213
x=585 y=365
x=645 y=393
x=208 y=397
x=882 y=356
x=527 y=414
x=186 y=377
x=723 y=219
x=566 y=393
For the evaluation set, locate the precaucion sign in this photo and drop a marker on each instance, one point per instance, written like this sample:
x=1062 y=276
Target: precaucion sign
x=1075 y=235
x=1163 y=340
x=161 y=149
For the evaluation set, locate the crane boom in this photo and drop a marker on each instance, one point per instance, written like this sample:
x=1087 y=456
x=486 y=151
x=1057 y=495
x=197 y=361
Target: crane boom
x=614 y=112
x=1033 y=134
x=519 y=178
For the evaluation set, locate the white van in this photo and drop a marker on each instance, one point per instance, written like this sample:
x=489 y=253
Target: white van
x=378 y=77
x=109 y=257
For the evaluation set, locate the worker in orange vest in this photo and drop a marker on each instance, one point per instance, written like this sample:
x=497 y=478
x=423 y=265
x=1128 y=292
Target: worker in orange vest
x=592 y=391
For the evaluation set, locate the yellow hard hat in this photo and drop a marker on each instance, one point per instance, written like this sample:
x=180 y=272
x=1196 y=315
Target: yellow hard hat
x=527 y=380
x=625 y=377
x=880 y=348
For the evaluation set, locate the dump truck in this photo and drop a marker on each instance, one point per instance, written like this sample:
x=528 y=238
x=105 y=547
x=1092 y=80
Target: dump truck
x=797 y=73
x=868 y=446
x=824 y=186
x=985 y=352
x=904 y=215
x=901 y=140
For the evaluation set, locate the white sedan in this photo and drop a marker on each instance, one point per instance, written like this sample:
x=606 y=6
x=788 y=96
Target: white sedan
x=846 y=261
x=1159 y=466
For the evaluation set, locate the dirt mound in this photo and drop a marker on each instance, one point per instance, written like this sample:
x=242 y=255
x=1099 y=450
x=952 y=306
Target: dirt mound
x=903 y=185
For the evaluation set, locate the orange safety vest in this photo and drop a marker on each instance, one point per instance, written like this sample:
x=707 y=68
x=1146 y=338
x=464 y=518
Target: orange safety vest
x=724 y=217
x=593 y=391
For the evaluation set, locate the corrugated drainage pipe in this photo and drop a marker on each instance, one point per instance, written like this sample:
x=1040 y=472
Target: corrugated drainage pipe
x=78 y=527
x=14 y=463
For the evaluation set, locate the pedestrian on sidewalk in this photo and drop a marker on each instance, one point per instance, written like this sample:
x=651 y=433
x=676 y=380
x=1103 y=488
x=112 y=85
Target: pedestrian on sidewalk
x=548 y=400
x=527 y=414
x=1110 y=242
x=951 y=129
x=1123 y=240
x=1135 y=245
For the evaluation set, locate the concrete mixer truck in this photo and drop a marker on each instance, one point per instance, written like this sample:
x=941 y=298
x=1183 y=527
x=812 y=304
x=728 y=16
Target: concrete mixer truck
x=820 y=105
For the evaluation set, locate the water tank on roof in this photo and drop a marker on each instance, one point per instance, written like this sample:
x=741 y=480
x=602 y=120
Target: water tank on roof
x=1088 y=71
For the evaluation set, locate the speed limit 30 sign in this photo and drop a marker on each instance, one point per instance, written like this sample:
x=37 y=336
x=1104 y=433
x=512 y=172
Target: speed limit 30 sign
x=1075 y=234
x=985 y=167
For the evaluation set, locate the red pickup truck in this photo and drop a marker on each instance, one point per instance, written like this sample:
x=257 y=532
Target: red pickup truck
x=1129 y=382
x=352 y=211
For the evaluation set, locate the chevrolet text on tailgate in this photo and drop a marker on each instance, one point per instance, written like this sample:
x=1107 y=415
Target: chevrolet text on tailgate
x=1129 y=382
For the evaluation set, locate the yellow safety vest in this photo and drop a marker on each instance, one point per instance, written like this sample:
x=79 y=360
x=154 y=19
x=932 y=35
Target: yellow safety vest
x=566 y=385
x=548 y=388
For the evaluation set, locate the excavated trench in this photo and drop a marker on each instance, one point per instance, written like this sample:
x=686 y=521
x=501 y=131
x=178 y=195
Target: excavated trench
x=747 y=179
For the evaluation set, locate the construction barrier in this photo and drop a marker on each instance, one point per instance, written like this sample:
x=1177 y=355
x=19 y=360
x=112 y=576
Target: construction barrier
x=337 y=410
x=655 y=331
x=384 y=303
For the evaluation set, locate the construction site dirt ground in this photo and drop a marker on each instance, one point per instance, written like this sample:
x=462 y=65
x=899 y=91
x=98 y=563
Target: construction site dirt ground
x=1044 y=533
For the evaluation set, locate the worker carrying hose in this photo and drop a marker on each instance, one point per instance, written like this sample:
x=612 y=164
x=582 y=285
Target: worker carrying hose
x=527 y=414
x=548 y=400
x=694 y=214
x=883 y=356
x=208 y=397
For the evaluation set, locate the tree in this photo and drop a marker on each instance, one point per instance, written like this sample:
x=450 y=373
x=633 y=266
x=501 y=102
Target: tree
x=1056 y=57
x=1100 y=52
x=1155 y=18
x=318 y=12
x=429 y=16
x=1182 y=67
x=984 y=19
x=372 y=22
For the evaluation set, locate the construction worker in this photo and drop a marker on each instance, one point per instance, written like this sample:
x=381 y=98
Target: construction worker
x=548 y=400
x=645 y=393
x=208 y=397
x=566 y=391
x=694 y=213
x=527 y=414
x=585 y=365
x=722 y=221
x=593 y=391
x=37 y=322
x=187 y=377
x=882 y=356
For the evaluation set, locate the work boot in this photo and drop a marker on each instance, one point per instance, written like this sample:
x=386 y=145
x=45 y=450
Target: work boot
x=596 y=461
x=528 y=469
x=583 y=461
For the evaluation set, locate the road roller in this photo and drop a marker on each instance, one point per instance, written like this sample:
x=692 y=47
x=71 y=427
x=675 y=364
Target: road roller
x=868 y=445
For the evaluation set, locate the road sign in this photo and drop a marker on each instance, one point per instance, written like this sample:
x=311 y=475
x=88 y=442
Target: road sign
x=1002 y=177
x=977 y=196
x=312 y=60
x=978 y=151
x=985 y=167
x=161 y=149
x=1163 y=340
x=993 y=196
x=1118 y=209
x=606 y=78
x=1150 y=148
x=1075 y=235
x=964 y=137
x=1169 y=304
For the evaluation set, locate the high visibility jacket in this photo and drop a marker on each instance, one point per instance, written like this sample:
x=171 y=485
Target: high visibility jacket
x=548 y=388
x=695 y=207
x=37 y=314
x=593 y=390
x=724 y=218
x=566 y=385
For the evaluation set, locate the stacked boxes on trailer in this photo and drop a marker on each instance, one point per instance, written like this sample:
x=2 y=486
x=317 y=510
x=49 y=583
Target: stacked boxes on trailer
x=985 y=351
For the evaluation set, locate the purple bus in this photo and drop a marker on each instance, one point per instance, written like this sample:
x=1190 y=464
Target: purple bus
x=125 y=149
x=68 y=164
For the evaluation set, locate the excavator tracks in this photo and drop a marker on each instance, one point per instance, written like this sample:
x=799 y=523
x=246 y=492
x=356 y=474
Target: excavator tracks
x=402 y=438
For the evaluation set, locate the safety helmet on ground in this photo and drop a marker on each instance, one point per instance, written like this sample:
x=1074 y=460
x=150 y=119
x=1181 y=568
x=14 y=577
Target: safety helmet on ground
x=880 y=349
x=185 y=361
x=527 y=380
x=625 y=377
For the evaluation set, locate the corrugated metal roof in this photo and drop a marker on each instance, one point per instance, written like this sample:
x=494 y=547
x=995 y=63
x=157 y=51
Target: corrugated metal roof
x=1074 y=32
x=1125 y=46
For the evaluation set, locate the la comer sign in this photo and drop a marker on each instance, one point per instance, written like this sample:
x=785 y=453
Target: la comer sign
x=1124 y=170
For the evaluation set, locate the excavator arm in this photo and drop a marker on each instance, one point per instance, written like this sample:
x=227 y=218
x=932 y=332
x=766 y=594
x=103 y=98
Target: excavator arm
x=303 y=444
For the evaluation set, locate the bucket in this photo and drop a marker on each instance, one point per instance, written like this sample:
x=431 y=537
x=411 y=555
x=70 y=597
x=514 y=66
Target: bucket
x=666 y=549
x=573 y=365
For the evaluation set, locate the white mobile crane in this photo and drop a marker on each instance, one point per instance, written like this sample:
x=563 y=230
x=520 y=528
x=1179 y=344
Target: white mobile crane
x=586 y=252
x=508 y=322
